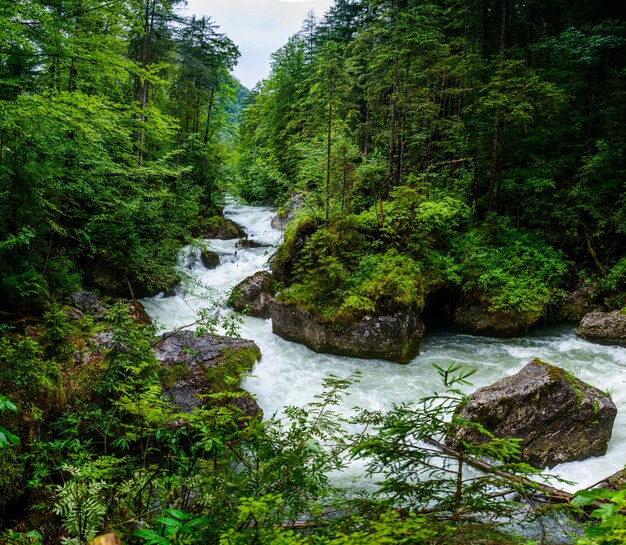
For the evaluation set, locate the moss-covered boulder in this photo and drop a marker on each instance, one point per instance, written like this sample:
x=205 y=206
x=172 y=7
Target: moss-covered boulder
x=255 y=294
x=557 y=417
x=470 y=316
x=202 y=364
x=575 y=304
x=220 y=228
x=210 y=259
x=395 y=338
x=604 y=327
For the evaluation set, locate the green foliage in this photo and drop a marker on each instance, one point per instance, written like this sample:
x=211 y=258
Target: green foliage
x=386 y=281
x=224 y=376
x=11 y=537
x=80 y=502
x=610 y=523
x=174 y=527
x=24 y=369
x=514 y=272
x=107 y=148
x=6 y=437
x=612 y=287
x=11 y=467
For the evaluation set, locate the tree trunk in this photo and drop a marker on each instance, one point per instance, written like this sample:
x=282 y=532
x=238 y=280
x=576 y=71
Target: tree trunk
x=208 y=115
x=392 y=125
x=492 y=196
x=329 y=144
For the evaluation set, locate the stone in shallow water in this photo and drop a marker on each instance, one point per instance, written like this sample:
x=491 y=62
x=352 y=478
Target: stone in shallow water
x=210 y=259
x=604 y=327
x=558 y=417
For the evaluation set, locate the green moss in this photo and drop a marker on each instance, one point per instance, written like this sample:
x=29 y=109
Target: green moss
x=225 y=375
x=11 y=471
x=575 y=384
x=556 y=374
x=173 y=374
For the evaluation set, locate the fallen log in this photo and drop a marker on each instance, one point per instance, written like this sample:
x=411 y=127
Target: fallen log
x=552 y=494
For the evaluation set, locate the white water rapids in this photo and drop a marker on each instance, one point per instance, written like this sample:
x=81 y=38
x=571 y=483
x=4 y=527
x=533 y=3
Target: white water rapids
x=291 y=374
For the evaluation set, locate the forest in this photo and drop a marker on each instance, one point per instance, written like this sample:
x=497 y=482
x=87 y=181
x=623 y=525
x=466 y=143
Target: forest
x=434 y=153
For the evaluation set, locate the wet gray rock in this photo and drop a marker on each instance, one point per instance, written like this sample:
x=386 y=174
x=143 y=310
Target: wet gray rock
x=255 y=294
x=85 y=301
x=577 y=303
x=74 y=314
x=604 y=327
x=558 y=417
x=247 y=405
x=471 y=317
x=201 y=364
x=210 y=259
x=287 y=212
x=220 y=228
x=395 y=338
x=616 y=482
x=250 y=243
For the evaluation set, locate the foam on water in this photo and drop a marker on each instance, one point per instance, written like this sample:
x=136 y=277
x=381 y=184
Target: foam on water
x=291 y=374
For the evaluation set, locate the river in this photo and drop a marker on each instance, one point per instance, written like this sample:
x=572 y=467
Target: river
x=291 y=374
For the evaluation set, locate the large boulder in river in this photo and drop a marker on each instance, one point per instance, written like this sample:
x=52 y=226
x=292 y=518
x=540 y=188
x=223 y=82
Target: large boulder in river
x=604 y=327
x=557 y=417
x=396 y=338
x=202 y=364
x=255 y=294
x=220 y=228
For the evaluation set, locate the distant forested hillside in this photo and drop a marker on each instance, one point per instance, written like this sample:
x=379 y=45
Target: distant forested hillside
x=479 y=142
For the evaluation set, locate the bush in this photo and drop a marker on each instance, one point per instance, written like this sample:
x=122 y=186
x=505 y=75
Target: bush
x=512 y=271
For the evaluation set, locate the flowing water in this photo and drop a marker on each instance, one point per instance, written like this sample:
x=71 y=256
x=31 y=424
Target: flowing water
x=291 y=374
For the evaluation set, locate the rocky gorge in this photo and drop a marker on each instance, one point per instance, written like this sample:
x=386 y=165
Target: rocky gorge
x=288 y=372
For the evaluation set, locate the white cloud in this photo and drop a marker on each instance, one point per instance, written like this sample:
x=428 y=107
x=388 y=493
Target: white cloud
x=258 y=27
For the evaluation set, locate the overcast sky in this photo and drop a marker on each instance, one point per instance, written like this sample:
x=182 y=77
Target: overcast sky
x=258 y=27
